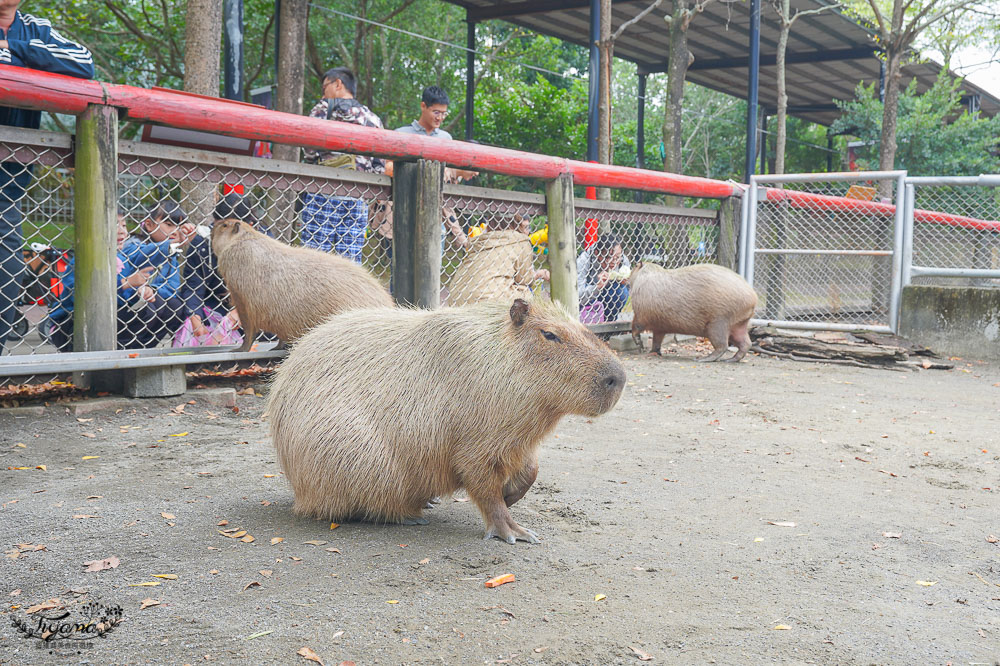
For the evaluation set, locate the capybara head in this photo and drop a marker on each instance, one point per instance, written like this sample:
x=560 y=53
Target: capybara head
x=225 y=231
x=576 y=372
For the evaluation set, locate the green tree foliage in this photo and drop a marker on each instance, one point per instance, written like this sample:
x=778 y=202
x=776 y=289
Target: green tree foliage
x=936 y=135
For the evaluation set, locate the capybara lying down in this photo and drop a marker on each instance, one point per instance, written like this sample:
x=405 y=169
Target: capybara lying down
x=287 y=290
x=703 y=299
x=376 y=412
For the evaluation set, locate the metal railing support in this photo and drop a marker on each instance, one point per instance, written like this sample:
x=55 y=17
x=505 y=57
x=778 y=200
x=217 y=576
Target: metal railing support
x=898 y=238
x=416 y=240
x=95 y=320
x=562 y=242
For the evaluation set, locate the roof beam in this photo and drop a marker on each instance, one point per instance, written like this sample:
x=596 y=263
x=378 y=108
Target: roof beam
x=510 y=10
x=771 y=59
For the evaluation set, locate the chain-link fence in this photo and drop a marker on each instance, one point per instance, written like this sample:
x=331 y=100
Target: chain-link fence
x=954 y=231
x=823 y=250
x=611 y=237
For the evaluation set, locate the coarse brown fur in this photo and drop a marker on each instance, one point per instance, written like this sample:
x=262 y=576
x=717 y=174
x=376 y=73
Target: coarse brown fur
x=703 y=299
x=375 y=412
x=287 y=290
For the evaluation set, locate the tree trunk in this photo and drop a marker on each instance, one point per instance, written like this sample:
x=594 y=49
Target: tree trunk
x=294 y=19
x=202 y=34
x=782 y=112
x=291 y=66
x=604 y=95
x=676 y=71
x=890 y=109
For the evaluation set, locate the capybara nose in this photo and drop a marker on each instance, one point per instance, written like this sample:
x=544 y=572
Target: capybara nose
x=614 y=379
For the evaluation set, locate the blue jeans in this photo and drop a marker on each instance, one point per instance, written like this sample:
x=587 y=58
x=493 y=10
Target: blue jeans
x=613 y=296
x=15 y=178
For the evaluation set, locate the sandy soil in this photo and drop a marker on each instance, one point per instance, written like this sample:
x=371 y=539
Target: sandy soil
x=666 y=531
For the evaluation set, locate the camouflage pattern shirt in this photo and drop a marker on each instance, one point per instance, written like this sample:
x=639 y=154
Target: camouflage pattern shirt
x=348 y=111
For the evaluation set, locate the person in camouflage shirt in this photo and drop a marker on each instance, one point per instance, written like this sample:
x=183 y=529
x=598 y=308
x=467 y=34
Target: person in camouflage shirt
x=338 y=223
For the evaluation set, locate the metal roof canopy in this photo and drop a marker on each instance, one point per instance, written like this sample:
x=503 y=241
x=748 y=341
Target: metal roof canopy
x=827 y=54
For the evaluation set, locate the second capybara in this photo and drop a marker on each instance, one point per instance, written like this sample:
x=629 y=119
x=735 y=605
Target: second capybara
x=704 y=299
x=287 y=290
x=376 y=412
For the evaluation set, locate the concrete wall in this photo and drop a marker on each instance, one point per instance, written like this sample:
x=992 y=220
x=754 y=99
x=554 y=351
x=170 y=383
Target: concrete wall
x=953 y=321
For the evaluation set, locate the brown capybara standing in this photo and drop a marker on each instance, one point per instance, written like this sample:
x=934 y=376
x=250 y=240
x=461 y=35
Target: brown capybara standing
x=703 y=299
x=287 y=290
x=375 y=412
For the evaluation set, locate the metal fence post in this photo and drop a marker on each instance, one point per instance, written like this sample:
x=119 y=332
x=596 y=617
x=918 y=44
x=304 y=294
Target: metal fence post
x=751 y=229
x=898 y=239
x=416 y=239
x=907 y=259
x=95 y=321
x=562 y=242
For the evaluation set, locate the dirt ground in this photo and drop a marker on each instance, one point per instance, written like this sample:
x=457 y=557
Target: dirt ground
x=666 y=526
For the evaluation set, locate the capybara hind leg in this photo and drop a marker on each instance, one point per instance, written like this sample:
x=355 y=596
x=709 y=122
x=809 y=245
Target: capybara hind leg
x=657 y=342
x=414 y=520
x=741 y=338
x=518 y=485
x=718 y=335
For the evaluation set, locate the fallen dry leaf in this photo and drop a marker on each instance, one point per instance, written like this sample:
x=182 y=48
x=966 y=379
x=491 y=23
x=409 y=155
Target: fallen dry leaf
x=16 y=592
x=316 y=542
x=337 y=634
x=926 y=583
x=543 y=649
x=277 y=540
x=334 y=526
x=782 y=627
x=45 y=605
x=214 y=572
x=88 y=434
x=892 y=535
x=333 y=550
x=152 y=583
x=600 y=597
x=168 y=516
x=222 y=523
x=84 y=515
x=643 y=656
x=425 y=560
x=166 y=576
x=247 y=539
x=781 y=524
x=250 y=584
x=266 y=573
x=179 y=434
x=101 y=565
x=310 y=655
x=992 y=539
x=146 y=603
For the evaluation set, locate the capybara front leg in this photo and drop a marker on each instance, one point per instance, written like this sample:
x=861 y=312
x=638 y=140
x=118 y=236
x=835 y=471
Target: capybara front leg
x=741 y=338
x=637 y=335
x=657 y=342
x=499 y=522
x=250 y=333
x=718 y=335
x=518 y=485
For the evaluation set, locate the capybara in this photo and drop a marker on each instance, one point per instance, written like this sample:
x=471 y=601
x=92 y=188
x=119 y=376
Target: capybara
x=287 y=290
x=376 y=412
x=703 y=299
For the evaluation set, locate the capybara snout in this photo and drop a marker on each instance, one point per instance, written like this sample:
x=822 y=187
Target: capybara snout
x=608 y=384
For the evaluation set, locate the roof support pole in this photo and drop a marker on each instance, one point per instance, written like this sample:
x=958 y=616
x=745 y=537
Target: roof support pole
x=232 y=31
x=593 y=93
x=470 y=75
x=763 y=141
x=829 y=152
x=640 y=131
x=752 y=81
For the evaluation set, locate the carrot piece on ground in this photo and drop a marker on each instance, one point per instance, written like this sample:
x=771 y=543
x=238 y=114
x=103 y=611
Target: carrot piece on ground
x=500 y=580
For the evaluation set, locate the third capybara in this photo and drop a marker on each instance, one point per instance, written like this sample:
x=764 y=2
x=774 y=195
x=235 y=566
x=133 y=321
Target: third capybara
x=704 y=299
x=376 y=412
x=287 y=290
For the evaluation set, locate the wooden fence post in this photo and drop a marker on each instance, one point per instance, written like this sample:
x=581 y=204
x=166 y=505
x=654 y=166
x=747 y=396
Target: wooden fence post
x=95 y=204
x=729 y=231
x=416 y=235
x=562 y=242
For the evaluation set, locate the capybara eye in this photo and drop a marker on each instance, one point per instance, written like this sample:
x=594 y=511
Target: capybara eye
x=551 y=336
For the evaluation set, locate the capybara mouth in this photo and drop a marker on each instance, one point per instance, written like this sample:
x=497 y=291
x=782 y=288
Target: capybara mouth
x=610 y=382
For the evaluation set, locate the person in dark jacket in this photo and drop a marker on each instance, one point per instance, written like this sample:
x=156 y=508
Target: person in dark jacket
x=25 y=41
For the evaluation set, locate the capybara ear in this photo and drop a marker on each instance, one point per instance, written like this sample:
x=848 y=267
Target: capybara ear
x=519 y=311
x=236 y=227
x=638 y=265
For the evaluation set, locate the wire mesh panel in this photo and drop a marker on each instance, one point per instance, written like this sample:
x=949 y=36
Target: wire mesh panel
x=493 y=245
x=612 y=237
x=36 y=232
x=823 y=251
x=955 y=231
x=168 y=197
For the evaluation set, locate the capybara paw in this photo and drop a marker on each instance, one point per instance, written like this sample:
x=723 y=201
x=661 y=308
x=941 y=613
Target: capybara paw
x=433 y=502
x=511 y=535
x=414 y=521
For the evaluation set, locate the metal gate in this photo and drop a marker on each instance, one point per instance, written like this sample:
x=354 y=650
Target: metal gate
x=824 y=250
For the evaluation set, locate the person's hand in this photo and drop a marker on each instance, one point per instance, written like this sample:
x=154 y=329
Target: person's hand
x=139 y=278
x=198 y=327
x=602 y=280
x=234 y=318
x=461 y=240
x=185 y=233
x=146 y=293
x=542 y=274
x=3 y=44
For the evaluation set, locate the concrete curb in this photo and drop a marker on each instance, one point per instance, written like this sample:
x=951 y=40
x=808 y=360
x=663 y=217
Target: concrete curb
x=214 y=397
